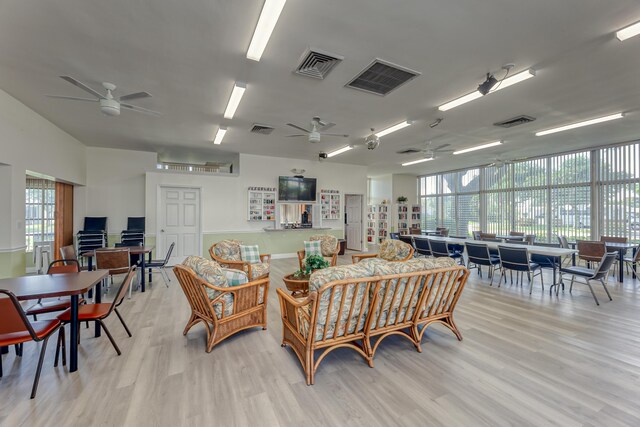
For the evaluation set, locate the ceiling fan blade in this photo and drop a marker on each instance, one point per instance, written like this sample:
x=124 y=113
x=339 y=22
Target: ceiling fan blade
x=440 y=147
x=334 y=134
x=326 y=126
x=73 y=98
x=140 y=109
x=82 y=86
x=300 y=134
x=298 y=127
x=136 y=95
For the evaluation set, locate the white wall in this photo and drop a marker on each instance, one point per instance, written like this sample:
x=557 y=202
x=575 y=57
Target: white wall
x=381 y=189
x=115 y=186
x=225 y=198
x=405 y=185
x=30 y=142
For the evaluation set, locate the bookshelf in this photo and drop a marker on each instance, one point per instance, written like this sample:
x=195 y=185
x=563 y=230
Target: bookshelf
x=406 y=217
x=331 y=204
x=262 y=204
x=377 y=223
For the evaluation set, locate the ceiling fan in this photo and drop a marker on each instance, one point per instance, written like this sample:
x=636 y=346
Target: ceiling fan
x=317 y=130
x=499 y=162
x=428 y=150
x=109 y=105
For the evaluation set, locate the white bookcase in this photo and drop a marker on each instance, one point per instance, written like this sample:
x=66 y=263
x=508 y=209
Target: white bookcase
x=331 y=203
x=378 y=223
x=406 y=217
x=262 y=204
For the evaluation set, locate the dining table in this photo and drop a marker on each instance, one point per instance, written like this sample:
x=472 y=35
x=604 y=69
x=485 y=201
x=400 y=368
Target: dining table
x=509 y=237
x=59 y=285
x=621 y=249
x=553 y=253
x=133 y=250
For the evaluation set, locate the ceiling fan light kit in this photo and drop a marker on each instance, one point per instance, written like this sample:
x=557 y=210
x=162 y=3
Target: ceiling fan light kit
x=109 y=105
x=372 y=141
x=478 y=147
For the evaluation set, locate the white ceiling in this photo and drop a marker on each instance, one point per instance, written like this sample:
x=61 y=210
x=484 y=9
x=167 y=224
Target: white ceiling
x=189 y=53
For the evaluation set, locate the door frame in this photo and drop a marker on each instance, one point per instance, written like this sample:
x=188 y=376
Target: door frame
x=159 y=188
x=363 y=243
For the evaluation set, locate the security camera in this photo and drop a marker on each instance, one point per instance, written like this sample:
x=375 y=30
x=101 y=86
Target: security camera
x=322 y=156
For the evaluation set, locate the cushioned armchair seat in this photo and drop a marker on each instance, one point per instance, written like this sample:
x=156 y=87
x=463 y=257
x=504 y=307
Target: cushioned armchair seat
x=227 y=254
x=390 y=250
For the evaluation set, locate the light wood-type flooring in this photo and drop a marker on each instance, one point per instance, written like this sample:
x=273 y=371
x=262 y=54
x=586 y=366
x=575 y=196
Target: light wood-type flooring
x=525 y=360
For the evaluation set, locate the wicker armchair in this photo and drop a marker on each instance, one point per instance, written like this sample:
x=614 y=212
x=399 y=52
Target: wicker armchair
x=330 y=246
x=227 y=254
x=390 y=250
x=248 y=308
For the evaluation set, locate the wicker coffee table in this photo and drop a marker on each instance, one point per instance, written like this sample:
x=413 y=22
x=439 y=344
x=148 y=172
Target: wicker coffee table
x=297 y=287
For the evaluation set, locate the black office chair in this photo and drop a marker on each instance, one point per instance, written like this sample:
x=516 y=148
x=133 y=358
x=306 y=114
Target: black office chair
x=421 y=246
x=517 y=259
x=440 y=249
x=478 y=255
x=161 y=264
x=394 y=236
x=589 y=274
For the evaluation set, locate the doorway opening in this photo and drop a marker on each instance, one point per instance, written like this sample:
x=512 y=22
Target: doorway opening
x=353 y=214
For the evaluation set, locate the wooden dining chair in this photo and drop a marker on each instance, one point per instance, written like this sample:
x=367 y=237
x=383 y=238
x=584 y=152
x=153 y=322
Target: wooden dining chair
x=59 y=266
x=15 y=329
x=117 y=261
x=99 y=312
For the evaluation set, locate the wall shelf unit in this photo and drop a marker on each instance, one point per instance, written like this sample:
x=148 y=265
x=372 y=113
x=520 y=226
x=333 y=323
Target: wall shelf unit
x=406 y=217
x=261 y=204
x=331 y=204
x=377 y=223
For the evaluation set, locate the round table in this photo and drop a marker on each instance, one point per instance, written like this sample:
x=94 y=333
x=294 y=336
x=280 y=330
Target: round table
x=297 y=287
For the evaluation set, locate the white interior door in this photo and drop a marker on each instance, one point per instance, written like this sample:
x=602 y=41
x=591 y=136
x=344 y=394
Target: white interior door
x=178 y=222
x=353 y=208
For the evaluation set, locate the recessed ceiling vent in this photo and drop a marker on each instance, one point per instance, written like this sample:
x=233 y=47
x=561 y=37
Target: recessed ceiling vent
x=409 y=151
x=317 y=63
x=515 y=121
x=261 y=129
x=382 y=77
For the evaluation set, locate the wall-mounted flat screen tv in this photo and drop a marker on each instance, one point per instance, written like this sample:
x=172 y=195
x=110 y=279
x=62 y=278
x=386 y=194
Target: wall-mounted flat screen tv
x=292 y=189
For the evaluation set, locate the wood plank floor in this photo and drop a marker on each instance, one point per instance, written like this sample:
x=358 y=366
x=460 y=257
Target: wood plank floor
x=525 y=360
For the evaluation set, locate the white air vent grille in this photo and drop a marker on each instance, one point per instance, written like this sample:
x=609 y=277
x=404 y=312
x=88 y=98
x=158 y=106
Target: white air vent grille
x=382 y=77
x=515 y=121
x=261 y=129
x=317 y=64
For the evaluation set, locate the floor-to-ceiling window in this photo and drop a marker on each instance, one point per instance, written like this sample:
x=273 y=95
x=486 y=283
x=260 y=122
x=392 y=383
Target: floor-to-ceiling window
x=548 y=196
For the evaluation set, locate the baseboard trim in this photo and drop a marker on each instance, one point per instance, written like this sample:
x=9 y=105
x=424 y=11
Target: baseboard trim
x=285 y=255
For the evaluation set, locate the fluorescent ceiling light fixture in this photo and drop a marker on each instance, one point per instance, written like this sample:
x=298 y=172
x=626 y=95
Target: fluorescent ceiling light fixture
x=220 y=135
x=628 y=32
x=581 y=124
x=234 y=100
x=509 y=81
x=340 y=151
x=478 y=147
x=415 y=162
x=266 y=23
x=393 y=128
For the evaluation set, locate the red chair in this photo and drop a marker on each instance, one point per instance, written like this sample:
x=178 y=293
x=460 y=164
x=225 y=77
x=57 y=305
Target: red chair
x=59 y=266
x=16 y=329
x=97 y=313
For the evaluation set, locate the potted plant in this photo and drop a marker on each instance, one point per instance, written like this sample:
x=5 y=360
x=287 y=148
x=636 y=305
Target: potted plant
x=311 y=264
x=402 y=199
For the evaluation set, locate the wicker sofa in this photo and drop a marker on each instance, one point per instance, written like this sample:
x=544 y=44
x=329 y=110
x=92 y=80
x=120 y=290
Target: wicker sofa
x=224 y=300
x=390 y=250
x=359 y=305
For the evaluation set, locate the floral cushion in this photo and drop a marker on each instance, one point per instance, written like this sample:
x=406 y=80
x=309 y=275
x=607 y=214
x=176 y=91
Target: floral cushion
x=394 y=250
x=259 y=270
x=211 y=272
x=228 y=249
x=328 y=243
x=353 y=291
x=389 y=305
